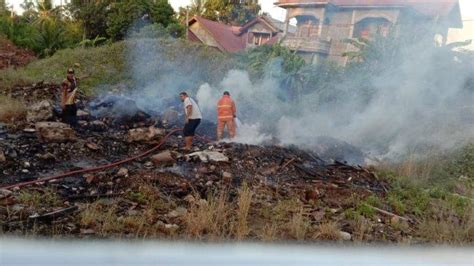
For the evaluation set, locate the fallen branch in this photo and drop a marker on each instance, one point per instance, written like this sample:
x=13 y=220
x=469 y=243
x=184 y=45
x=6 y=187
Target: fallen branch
x=391 y=214
x=98 y=196
x=54 y=214
x=287 y=163
x=44 y=217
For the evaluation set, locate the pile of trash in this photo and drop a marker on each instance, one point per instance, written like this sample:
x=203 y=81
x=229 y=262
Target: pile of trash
x=42 y=146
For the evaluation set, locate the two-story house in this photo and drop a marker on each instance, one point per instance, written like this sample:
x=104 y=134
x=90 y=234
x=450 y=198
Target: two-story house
x=262 y=30
x=322 y=26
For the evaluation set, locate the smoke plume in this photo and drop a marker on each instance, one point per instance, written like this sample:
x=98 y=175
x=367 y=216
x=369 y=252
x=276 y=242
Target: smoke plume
x=423 y=102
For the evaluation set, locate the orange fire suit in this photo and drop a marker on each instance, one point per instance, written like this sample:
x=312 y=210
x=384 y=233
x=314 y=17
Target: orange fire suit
x=226 y=112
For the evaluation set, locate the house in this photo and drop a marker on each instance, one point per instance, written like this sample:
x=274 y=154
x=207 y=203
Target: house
x=322 y=26
x=262 y=30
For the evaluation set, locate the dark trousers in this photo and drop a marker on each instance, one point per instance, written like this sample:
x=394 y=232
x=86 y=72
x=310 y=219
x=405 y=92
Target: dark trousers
x=190 y=127
x=70 y=115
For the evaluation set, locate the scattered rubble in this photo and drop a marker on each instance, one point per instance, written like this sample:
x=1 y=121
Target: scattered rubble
x=54 y=132
x=345 y=236
x=163 y=158
x=2 y=157
x=145 y=134
x=209 y=156
x=41 y=111
x=162 y=192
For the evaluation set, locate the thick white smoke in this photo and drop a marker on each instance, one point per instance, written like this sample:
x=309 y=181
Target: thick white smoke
x=417 y=105
x=418 y=108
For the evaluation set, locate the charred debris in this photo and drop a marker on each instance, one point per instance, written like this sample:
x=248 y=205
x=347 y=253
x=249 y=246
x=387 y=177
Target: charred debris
x=41 y=147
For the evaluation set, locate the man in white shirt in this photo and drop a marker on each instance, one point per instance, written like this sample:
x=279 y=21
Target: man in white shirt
x=193 y=119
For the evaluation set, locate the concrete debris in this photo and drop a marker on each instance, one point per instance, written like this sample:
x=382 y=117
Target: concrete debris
x=227 y=177
x=171 y=227
x=87 y=231
x=180 y=211
x=163 y=158
x=82 y=115
x=122 y=172
x=41 y=111
x=145 y=134
x=209 y=156
x=92 y=146
x=4 y=193
x=54 y=132
x=345 y=236
x=2 y=157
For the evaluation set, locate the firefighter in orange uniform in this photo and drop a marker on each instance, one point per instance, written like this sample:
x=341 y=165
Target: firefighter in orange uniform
x=226 y=113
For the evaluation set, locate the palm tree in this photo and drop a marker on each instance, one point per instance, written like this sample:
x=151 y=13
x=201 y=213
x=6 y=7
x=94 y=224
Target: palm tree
x=197 y=7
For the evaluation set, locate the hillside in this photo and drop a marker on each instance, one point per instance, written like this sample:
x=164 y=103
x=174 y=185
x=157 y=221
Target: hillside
x=12 y=56
x=224 y=191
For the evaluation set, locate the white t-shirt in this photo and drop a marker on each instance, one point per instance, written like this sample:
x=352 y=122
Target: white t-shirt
x=196 y=113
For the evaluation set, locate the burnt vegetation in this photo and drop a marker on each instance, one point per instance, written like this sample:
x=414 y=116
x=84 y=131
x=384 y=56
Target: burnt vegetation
x=224 y=191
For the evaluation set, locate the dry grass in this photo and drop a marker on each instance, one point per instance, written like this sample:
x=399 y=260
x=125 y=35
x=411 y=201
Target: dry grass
x=298 y=224
x=209 y=219
x=269 y=232
x=102 y=219
x=328 y=231
x=414 y=167
x=243 y=203
x=448 y=227
x=11 y=110
x=361 y=227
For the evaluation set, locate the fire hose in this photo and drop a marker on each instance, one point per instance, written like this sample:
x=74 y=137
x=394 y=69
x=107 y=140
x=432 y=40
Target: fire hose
x=98 y=168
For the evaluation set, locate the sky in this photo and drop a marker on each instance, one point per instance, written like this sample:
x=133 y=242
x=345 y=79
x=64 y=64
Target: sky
x=467 y=10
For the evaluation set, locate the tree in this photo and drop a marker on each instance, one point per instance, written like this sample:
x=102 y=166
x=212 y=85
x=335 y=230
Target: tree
x=196 y=8
x=162 y=13
x=134 y=14
x=3 y=8
x=230 y=11
x=279 y=63
x=30 y=13
x=50 y=37
x=242 y=13
x=92 y=15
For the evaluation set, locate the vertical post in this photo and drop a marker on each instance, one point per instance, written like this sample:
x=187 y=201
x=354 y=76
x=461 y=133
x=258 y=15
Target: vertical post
x=287 y=23
x=187 y=22
x=321 y=24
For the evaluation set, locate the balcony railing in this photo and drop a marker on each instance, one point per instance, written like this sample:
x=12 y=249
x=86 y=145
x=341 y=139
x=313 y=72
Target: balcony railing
x=307 y=45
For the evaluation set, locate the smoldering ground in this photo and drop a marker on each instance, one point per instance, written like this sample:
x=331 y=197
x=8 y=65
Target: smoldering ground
x=422 y=102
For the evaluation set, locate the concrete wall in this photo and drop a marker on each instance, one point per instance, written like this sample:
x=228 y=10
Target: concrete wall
x=338 y=24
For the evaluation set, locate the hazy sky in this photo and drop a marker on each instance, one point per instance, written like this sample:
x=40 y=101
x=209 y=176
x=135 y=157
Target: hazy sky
x=467 y=10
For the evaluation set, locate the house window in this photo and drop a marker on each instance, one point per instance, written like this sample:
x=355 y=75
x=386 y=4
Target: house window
x=259 y=38
x=307 y=27
x=370 y=27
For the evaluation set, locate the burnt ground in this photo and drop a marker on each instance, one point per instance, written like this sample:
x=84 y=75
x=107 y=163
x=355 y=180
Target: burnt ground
x=295 y=193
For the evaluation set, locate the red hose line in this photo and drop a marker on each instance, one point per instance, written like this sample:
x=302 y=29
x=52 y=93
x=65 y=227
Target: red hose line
x=93 y=169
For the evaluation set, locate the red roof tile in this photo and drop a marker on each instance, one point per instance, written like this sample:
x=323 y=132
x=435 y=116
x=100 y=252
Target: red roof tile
x=225 y=35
